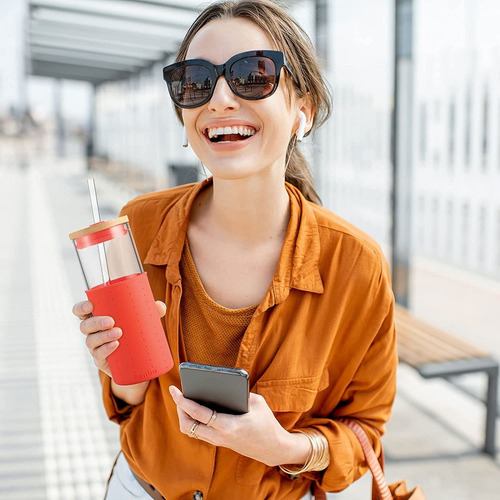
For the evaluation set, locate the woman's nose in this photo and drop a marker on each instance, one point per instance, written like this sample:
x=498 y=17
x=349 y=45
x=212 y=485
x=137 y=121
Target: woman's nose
x=223 y=97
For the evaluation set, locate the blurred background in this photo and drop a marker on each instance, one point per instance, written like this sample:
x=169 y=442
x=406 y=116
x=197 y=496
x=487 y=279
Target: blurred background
x=411 y=155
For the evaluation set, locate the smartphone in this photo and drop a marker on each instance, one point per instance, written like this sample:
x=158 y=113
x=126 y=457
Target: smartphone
x=218 y=387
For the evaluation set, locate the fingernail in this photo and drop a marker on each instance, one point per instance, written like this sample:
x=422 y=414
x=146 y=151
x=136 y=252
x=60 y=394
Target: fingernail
x=107 y=323
x=115 y=333
x=86 y=307
x=171 y=390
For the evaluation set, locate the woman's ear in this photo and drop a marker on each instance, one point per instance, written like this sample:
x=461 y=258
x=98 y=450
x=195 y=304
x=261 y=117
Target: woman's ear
x=307 y=108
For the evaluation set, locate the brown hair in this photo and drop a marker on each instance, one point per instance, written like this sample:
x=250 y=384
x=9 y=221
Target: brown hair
x=293 y=41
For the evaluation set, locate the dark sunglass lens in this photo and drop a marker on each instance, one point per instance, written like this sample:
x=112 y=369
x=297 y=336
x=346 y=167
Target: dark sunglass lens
x=253 y=76
x=191 y=85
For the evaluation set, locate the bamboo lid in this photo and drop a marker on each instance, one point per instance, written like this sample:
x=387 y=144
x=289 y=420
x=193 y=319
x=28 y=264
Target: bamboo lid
x=99 y=226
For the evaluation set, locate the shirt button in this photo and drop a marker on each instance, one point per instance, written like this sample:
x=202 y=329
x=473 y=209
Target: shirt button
x=197 y=495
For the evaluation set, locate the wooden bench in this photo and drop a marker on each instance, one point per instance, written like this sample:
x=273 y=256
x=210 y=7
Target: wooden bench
x=434 y=353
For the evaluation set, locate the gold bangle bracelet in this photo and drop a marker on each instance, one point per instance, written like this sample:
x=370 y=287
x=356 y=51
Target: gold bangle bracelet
x=320 y=446
x=319 y=457
x=310 y=458
x=324 y=456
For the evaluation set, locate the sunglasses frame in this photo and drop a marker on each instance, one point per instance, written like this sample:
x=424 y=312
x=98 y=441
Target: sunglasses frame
x=218 y=70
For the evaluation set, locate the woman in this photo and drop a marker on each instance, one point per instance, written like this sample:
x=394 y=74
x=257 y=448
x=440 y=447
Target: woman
x=254 y=275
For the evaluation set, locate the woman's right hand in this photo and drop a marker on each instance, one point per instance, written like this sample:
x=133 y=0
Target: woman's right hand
x=102 y=339
x=102 y=336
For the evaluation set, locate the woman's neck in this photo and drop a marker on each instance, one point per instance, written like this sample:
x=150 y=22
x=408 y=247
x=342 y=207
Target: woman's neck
x=248 y=212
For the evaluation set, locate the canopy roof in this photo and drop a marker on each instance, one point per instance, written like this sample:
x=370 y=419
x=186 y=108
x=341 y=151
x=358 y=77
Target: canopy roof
x=102 y=40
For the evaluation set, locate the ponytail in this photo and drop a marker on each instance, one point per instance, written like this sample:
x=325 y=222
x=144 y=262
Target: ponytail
x=298 y=173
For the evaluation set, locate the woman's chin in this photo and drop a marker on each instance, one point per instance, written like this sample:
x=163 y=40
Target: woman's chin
x=224 y=169
x=231 y=174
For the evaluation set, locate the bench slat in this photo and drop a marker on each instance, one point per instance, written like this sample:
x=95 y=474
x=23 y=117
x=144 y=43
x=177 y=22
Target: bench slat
x=410 y=358
x=409 y=339
x=419 y=343
x=419 y=356
x=432 y=345
x=416 y=356
x=405 y=318
x=436 y=335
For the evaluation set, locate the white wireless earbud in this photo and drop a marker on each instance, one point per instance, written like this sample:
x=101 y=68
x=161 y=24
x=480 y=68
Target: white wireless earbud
x=302 y=126
x=185 y=142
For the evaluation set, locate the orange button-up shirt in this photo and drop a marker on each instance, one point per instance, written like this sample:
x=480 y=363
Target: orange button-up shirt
x=321 y=345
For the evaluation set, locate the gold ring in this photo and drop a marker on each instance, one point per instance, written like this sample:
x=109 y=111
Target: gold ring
x=212 y=418
x=192 y=431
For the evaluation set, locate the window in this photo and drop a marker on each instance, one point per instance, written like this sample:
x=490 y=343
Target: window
x=420 y=215
x=468 y=117
x=449 y=228
x=465 y=231
x=436 y=155
x=435 y=226
x=498 y=240
x=485 y=130
x=451 y=134
x=423 y=133
x=482 y=237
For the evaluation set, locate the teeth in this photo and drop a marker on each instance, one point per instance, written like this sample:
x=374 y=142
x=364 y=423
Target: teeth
x=213 y=132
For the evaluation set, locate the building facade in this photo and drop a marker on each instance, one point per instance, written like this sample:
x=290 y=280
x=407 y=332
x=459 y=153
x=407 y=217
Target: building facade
x=456 y=151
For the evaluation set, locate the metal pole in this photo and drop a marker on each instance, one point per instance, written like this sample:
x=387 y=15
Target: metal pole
x=321 y=155
x=24 y=112
x=321 y=31
x=491 y=412
x=60 y=145
x=89 y=145
x=402 y=156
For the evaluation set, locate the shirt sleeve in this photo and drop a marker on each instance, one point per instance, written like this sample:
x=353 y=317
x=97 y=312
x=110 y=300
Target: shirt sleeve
x=368 y=399
x=117 y=410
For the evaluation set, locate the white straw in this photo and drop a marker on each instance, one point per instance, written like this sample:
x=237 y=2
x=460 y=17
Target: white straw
x=97 y=218
x=93 y=200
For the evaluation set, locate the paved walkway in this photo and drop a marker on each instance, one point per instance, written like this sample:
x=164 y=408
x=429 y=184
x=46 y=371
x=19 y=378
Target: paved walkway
x=55 y=440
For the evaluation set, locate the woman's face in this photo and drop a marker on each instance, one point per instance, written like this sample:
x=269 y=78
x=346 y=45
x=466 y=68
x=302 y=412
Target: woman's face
x=271 y=119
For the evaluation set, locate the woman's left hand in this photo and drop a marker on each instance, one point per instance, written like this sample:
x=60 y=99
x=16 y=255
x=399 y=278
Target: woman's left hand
x=256 y=434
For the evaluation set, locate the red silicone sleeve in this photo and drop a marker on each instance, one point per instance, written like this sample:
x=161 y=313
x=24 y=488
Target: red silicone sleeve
x=143 y=353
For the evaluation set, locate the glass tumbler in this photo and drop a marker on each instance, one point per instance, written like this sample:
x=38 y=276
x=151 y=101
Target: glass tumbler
x=118 y=287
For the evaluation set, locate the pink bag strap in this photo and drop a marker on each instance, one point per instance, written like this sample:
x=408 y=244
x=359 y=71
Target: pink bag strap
x=379 y=480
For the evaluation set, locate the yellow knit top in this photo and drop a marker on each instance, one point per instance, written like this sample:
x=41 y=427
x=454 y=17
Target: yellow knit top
x=212 y=333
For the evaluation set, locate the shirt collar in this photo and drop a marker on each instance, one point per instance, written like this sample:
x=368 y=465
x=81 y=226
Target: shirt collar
x=298 y=266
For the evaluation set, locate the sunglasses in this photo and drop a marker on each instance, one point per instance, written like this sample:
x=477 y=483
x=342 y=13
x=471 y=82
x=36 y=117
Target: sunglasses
x=250 y=75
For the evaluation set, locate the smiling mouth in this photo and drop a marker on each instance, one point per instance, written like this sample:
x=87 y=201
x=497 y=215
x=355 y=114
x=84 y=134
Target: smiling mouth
x=229 y=134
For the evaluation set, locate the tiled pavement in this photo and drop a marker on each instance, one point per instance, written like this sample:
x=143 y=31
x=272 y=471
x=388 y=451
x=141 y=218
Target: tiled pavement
x=55 y=440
